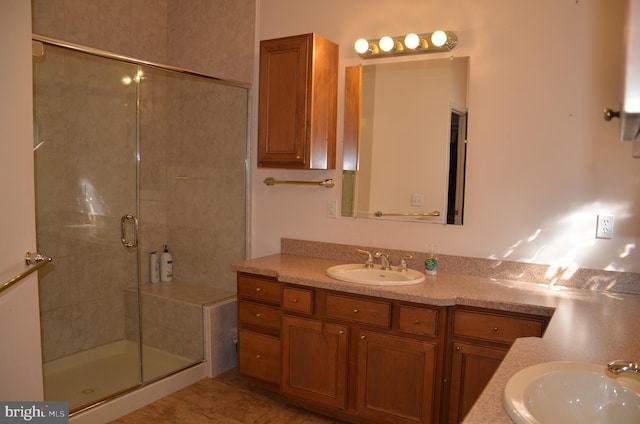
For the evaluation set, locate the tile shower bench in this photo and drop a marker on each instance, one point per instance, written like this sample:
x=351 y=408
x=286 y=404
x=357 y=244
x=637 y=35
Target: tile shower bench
x=184 y=319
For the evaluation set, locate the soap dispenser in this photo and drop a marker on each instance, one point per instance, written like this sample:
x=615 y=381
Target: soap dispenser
x=431 y=263
x=166 y=265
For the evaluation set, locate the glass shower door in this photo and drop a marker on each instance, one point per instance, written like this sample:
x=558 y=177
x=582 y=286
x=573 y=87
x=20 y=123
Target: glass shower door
x=86 y=169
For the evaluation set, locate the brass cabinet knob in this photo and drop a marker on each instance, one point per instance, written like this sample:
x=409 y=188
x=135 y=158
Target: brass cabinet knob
x=258 y=289
x=495 y=329
x=295 y=300
x=258 y=315
x=355 y=311
x=416 y=321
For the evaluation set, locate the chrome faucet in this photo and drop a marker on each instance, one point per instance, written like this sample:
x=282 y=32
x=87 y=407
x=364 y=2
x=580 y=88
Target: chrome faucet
x=403 y=263
x=619 y=366
x=369 y=262
x=384 y=261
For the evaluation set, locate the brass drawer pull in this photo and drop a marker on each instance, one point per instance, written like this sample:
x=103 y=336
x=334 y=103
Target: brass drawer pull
x=416 y=321
x=457 y=348
x=363 y=337
x=341 y=332
x=258 y=315
x=258 y=289
x=495 y=329
x=258 y=356
x=295 y=300
x=355 y=311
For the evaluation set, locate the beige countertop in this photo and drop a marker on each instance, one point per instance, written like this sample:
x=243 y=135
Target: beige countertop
x=587 y=326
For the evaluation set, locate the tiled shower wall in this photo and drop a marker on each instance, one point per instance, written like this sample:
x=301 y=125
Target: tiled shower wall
x=192 y=168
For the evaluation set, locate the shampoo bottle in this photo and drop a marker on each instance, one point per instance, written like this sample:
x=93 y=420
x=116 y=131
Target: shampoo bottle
x=431 y=263
x=154 y=267
x=166 y=265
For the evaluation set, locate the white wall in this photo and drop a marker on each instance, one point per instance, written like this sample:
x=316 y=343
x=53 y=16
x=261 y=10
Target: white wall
x=542 y=163
x=20 y=360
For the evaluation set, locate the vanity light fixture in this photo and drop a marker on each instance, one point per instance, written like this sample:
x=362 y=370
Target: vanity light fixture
x=431 y=42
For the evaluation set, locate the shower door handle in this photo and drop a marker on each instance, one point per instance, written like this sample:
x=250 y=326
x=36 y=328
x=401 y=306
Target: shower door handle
x=123 y=230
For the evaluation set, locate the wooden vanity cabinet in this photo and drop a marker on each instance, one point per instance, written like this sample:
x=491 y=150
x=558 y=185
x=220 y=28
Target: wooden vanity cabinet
x=480 y=341
x=297 y=103
x=368 y=360
x=363 y=359
x=259 y=324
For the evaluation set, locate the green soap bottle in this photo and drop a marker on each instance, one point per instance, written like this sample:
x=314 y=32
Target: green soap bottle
x=431 y=263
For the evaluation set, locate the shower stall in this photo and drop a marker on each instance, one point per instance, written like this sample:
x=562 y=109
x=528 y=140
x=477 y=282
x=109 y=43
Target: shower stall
x=130 y=156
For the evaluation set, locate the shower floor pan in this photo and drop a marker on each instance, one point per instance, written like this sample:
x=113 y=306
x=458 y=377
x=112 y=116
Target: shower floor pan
x=87 y=377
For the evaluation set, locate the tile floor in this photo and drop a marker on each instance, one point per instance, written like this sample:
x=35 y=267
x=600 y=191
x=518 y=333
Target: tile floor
x=226 y=399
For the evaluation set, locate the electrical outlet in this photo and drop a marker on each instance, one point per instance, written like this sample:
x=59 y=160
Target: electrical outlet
x=604 y=227
x=332 y=208
x=417 y=199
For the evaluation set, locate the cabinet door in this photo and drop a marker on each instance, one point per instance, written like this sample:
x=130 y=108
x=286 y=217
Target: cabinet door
x=314 y=361
x=282 y=104
x=396 y=378
x=472 y=368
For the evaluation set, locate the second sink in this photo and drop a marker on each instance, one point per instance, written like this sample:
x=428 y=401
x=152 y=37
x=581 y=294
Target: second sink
x=358 y=273
x=571 y=392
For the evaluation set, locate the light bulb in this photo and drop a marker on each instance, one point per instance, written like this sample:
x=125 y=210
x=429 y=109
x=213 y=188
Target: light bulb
x=386 y=43
x=361 y=46
x=439 y=38
x=412 y=41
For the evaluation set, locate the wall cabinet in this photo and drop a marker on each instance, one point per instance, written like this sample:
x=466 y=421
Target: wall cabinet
x=372 y=360
x=480 y=341
x=298 y=84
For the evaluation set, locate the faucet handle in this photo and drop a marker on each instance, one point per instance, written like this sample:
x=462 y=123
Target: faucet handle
x=369 y=262
x=403 y=263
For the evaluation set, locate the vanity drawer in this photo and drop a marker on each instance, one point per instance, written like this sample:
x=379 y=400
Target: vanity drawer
x=358 y=310
x=418 y=320
x=257 y=314
x=259 y=356
x=297 y=300
x=495 y=327
x=259 y=289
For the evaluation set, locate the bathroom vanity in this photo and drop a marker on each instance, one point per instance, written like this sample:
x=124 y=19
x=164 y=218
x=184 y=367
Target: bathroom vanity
x=372 y=358
x=403 y=354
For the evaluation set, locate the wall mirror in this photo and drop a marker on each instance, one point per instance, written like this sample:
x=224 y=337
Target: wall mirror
x=405 y=140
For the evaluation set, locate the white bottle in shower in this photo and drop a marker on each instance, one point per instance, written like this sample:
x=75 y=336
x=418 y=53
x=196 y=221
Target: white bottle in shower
x=166 y=265
x=154 y=267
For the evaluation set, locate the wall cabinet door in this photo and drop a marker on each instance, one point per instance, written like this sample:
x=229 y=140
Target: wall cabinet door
x=314 y=361
x=297 y=103
x=396 y=378
x=472 y=368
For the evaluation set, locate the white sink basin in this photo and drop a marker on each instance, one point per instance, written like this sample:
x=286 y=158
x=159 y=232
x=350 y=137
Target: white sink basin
x=358 y=273
x=572 y=392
